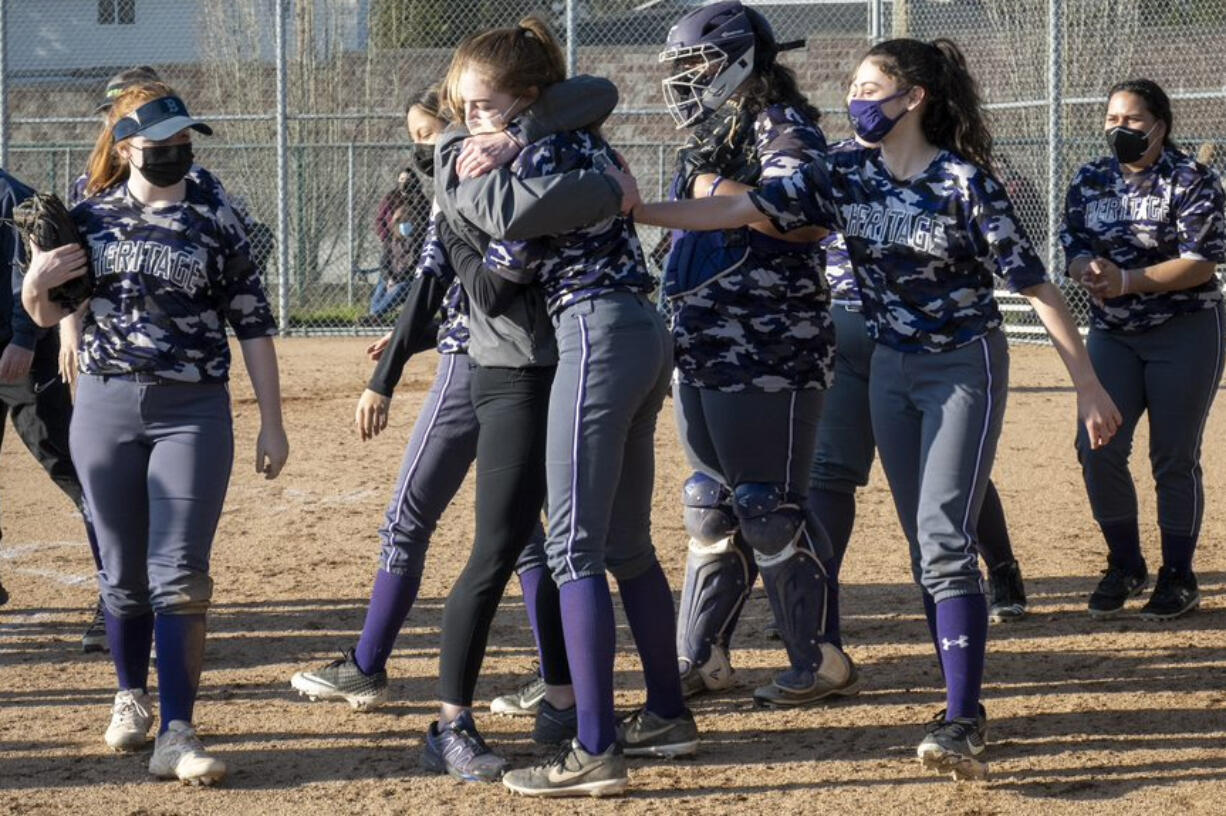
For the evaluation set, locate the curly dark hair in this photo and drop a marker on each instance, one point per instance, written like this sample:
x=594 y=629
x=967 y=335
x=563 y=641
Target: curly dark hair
x=954 y=117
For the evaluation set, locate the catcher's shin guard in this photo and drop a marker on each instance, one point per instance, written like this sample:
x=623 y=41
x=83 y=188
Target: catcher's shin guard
x=718 y=578
x=796 y=586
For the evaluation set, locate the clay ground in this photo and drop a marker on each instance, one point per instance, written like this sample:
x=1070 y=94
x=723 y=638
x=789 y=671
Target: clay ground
x=1120 y=717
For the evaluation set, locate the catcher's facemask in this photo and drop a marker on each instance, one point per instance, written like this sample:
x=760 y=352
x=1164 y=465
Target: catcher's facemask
x=704 y=81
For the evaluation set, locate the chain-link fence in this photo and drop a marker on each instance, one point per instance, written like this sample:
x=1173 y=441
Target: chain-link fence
x=308 y=98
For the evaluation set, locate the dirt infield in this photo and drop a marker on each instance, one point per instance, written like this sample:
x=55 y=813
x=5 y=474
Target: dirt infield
x=1121 y=717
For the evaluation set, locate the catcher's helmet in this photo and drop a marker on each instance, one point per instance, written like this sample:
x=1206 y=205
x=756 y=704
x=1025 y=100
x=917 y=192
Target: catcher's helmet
x=714 y=49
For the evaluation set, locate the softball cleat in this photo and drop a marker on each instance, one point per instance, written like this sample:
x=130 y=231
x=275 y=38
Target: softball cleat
x=178 y=754
x=836 y=677
x=573 y=772
x=1115 y=588
x=644 y=734
x=1175 y=594
x=525 y=701
x=955 y=747
x=343 y=680
x=131 y=719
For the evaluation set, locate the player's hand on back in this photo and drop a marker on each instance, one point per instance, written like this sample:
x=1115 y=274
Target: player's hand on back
x=486 y=152
x=371 y=414
x=629 y=187
x=375 y=350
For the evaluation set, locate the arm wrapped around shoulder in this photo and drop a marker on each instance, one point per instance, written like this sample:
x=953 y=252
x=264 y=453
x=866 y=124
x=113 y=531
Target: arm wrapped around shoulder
x=44 y=221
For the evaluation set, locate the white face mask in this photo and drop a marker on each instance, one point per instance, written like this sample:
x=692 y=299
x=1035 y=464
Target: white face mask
x=493 y=122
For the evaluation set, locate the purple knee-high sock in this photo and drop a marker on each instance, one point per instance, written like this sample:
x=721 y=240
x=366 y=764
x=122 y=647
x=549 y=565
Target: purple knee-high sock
x=1177 y=551
x=390 y=602
x=962 y=625
x=130 y=640
x=587 y=619
x=837 y=513
x=648 y=602
x=1123 y=545
x=545 y=617
x=180 y=641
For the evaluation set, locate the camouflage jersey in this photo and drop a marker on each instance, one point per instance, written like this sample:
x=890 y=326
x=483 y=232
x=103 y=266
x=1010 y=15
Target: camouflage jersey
x=168 y=278
x=839 y=274
x=453 y=317
x=586 y=263
x=763 y=323
x=924 y=250
x=1170 y=210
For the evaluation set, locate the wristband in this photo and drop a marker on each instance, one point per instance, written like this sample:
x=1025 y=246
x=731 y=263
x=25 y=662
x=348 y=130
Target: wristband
x=715 y=186
x=1125 y=280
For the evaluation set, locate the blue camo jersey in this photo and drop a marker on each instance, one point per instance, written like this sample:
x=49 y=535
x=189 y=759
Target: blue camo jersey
x=842 y=278
x=168 y=279
x=763 y=324
x=586 y=263
x=209 y=184
x=433 y=261
x=923 y=250
x=1173 y=209
x=839 y=274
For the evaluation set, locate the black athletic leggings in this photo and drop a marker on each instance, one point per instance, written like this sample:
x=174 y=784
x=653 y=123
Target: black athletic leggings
x=512 y=407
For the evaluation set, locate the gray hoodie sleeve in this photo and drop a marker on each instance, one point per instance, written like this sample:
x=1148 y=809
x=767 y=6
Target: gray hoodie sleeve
x=504 y=206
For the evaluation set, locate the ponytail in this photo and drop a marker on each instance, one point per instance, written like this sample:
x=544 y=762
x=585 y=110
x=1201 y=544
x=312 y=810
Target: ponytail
x=953 y=116
x=513 y=60
x=106 y=167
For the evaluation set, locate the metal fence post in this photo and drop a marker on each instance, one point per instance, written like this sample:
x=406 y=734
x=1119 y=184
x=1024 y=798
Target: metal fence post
x=570 y=38
x=350 y=203
x=282 y=125
x=1055 y=126
x=876 y=21
x=4 y=85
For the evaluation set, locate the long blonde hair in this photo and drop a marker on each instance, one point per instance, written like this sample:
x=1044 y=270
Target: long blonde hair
x=106 y=167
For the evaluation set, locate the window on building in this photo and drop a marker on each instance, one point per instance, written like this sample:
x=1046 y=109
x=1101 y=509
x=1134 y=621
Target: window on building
x=111 y=12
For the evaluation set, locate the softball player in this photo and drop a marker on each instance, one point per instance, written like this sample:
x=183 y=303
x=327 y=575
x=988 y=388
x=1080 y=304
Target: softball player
x=845 y=446
x=151 y=435
x=926 y=226
x=34 y=394
x=612 y=376
x=755 y=348
x=515 y=357
x=441 y=448
x=1143 y=231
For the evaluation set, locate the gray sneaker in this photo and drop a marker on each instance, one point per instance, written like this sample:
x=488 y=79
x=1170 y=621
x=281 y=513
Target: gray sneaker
x=524 y=701
x=573 y=772
x=343 y=680
x=554 y=725
x=955 y=747
x=836 y=677
x=457 y=749
x=646 y=734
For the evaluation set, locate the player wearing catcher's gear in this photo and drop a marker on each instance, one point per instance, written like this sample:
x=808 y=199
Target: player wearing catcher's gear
x=32 y=392
x=845 y=445
x=927 y=225
x=1143 y=231
x=755 y=348
x=152 y=432
x=443 y=443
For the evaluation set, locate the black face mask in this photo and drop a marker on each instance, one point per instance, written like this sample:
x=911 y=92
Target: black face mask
x=166 y=165
x=1128 y=145
x=423 y=159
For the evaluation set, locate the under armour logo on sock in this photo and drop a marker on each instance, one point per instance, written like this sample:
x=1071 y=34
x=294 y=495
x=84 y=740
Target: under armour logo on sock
x=962 y=642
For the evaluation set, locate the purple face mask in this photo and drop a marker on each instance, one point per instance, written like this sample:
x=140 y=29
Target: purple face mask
x=869 y=121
